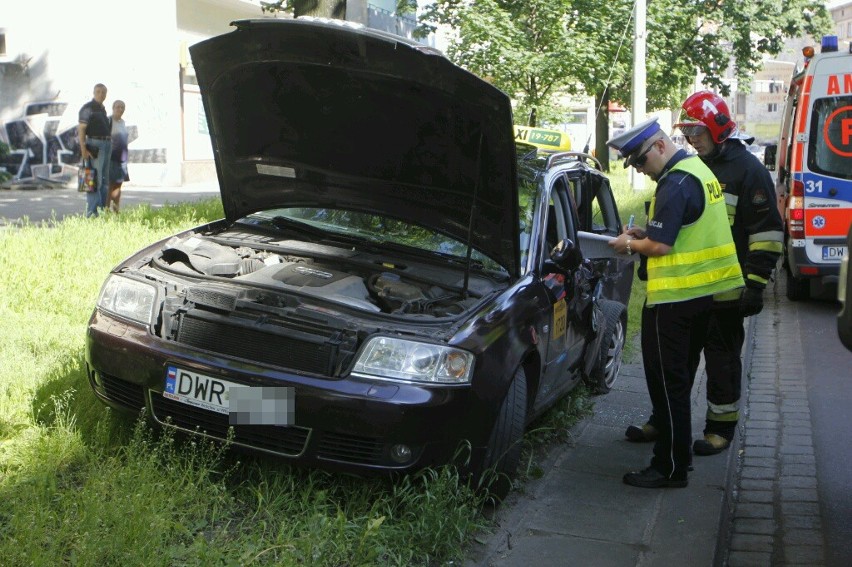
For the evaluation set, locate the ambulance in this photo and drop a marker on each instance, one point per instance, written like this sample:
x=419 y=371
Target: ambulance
x=813 y=165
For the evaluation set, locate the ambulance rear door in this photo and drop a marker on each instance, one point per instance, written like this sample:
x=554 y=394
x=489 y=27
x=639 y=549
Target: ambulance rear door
x=822 y=158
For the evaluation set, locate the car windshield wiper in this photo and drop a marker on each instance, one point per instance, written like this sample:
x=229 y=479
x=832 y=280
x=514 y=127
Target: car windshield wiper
x=287 y=223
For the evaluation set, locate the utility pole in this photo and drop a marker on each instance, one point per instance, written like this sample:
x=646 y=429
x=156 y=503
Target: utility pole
x=637 y=180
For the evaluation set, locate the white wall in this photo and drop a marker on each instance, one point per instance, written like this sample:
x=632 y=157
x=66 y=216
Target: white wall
x=132 y=46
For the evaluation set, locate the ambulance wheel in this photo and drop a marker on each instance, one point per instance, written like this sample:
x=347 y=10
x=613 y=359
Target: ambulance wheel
x=798 y=289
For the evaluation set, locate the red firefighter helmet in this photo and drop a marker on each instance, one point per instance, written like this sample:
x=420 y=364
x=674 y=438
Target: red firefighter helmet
x=706 y=109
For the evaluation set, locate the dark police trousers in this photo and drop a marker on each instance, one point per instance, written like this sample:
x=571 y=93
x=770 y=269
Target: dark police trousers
x=673 y=335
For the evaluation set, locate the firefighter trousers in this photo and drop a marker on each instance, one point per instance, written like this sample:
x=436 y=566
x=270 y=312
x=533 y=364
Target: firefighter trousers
x=673 y=335
x=722 y=350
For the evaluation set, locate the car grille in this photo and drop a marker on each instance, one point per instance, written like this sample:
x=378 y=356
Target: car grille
x=123 y=393
x=350 y=448
x=287 y=441
x=266 y=343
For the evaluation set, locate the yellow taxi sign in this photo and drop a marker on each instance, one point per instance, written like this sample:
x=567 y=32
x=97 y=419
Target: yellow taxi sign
x=541 y=138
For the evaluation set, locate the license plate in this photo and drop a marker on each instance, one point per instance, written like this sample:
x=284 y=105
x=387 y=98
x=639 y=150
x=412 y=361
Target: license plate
x=833 y=252
x=198 y=390
x=244 y=405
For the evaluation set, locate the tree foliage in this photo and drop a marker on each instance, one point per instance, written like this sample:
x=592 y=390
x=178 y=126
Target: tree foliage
x=539 y=48
x=536 y=50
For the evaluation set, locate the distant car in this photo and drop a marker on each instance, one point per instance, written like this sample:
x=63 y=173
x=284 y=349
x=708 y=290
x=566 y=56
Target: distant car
x=382 y=290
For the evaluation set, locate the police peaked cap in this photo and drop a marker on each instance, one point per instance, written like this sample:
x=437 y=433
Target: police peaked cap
x=631 y=141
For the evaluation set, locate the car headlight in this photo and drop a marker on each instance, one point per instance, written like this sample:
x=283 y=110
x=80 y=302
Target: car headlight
x=411 y=361
x=128 y=298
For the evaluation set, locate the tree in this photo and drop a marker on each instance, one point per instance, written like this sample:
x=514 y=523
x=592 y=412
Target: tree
x=536 y=50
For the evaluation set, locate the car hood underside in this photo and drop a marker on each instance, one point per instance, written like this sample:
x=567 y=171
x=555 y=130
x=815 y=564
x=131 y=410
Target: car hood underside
x=309 y=113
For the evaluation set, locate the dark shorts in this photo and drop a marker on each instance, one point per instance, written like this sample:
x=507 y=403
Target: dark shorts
x=118 y=172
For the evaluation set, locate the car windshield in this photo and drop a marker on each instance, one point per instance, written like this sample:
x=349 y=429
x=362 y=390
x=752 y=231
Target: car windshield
x=317 y=223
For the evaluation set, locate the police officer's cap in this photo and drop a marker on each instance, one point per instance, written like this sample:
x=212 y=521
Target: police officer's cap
x=630 y=142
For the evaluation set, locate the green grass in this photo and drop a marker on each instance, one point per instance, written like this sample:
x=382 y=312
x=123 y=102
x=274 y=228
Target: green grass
x=83 y=485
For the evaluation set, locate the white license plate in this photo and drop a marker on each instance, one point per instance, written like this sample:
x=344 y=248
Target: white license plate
x=198 y=390
x=833 y=252
x=244 y=405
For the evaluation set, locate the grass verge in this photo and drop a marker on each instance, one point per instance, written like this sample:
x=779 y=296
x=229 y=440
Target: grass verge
x=83 y=485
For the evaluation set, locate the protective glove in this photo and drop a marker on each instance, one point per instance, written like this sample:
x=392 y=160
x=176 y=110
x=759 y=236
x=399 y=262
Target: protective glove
x=751 y=301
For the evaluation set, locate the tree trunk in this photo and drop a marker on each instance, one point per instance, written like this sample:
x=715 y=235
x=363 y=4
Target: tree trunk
x=602 y=128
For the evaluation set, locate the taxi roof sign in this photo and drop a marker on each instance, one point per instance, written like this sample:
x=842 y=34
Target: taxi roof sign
x=545 y=139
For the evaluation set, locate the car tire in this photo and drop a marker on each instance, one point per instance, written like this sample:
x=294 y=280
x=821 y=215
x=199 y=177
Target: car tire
x=504 y=445
x=605 y=371
x=798 y=289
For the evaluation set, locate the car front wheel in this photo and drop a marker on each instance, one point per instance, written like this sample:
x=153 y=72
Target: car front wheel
x=608 y=365
x=504 y=446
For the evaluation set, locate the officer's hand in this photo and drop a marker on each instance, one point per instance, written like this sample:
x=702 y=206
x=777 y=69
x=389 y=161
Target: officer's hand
x=751 y=301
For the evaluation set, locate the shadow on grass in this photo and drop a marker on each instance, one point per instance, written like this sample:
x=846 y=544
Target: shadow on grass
x=65 y=393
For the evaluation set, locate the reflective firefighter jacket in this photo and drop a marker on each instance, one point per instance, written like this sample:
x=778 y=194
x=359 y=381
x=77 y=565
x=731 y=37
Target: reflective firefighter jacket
x=756 y=224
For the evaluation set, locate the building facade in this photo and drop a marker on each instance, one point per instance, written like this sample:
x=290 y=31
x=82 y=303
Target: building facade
x=52 y=54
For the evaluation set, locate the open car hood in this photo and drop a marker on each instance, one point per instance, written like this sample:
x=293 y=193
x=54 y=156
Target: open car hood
x=321 y=113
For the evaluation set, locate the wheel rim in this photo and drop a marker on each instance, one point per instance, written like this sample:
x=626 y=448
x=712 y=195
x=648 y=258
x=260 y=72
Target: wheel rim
x=613 y=354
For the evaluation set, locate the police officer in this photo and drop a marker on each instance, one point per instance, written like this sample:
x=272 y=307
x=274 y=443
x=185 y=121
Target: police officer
x=691 y=257
x=758 y=235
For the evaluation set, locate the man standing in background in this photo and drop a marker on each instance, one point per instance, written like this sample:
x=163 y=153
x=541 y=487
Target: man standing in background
x=94 y=135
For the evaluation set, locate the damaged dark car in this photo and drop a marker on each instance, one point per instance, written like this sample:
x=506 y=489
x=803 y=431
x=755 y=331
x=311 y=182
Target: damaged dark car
x=391 y=281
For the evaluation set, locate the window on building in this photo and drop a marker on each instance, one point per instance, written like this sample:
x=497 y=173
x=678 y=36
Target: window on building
x=741 y=103
x=772 y=107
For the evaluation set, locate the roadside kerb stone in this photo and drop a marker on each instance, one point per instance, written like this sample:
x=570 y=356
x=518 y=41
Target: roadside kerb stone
x=775 y=511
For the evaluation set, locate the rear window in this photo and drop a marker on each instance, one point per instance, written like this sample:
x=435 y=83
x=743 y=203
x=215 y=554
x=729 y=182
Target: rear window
x=830 y=145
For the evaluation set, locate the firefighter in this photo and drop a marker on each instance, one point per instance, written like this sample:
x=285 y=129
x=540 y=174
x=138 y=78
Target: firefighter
x=758 y=234
x=691 y=257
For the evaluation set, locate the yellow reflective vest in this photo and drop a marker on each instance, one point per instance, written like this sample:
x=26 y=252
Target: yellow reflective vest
x=703 y=260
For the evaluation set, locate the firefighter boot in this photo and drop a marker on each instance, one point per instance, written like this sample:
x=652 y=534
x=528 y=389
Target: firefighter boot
x=643 y=434
x=712 y=444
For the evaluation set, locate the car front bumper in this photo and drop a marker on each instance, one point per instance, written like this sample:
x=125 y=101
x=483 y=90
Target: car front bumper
x=347 y=423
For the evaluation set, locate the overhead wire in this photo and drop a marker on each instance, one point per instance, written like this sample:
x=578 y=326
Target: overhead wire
x=611 y=71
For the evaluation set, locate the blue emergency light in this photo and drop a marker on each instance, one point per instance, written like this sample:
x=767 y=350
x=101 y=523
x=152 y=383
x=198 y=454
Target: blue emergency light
x=829 y=43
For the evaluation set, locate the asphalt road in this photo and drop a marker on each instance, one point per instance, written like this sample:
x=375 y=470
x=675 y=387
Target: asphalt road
x=829 y=382
x=46 y=203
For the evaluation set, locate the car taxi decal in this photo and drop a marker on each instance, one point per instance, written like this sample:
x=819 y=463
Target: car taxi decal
x=545 y=139
x=560 y=317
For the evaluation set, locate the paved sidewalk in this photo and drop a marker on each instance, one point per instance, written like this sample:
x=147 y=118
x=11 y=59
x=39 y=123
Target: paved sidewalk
x=776 y=510
x=580 y=512
x=755 y=505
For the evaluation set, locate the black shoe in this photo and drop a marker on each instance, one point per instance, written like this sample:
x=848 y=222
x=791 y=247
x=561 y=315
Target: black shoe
x=712 y=444
x=652 y=478
x=643 y=434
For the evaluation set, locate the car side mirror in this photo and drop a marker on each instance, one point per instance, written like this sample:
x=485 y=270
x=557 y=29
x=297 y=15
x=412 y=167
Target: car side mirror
x=769 y=156
x=566 y=255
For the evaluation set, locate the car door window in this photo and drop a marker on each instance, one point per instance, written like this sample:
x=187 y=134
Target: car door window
x=596 y=206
